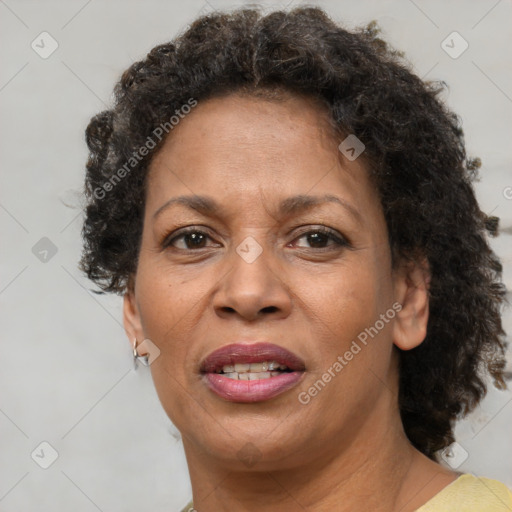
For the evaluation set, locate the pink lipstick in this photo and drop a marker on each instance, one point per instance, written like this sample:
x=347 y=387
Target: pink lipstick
x=255 y=372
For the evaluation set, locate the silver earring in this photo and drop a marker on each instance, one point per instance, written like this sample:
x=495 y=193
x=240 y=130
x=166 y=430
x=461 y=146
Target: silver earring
x=136 y=358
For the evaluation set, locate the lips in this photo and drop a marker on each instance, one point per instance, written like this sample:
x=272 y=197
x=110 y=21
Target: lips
x=253 y=353
x=251 y=390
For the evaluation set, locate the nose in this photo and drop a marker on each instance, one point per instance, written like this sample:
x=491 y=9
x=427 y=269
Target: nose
x=253 y=290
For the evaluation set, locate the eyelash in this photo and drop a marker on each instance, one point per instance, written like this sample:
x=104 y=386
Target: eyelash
x=339 y=240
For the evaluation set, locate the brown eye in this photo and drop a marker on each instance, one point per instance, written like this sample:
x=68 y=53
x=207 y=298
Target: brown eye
x=189 y=240
x=319 y=238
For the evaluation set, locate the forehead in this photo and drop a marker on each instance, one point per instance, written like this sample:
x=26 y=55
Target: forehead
x=239 y=121
x=243 y=145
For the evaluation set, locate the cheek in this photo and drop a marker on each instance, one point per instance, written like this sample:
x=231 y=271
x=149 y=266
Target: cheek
x=347 y=298
x=344 y=307
x=174 y=303
x=169 y=306
x=168 y=303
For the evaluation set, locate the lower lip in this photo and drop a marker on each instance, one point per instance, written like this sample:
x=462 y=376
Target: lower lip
x=251 y=390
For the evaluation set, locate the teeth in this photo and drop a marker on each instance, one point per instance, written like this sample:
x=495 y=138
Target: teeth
x=263 y=367
x=259 y=375
x=251 y=376
x=259 y=367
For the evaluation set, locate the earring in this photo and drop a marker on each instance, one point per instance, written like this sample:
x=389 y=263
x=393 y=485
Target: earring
x=136 y=358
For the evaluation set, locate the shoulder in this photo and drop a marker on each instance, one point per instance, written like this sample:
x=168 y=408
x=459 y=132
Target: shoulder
x=470 y=493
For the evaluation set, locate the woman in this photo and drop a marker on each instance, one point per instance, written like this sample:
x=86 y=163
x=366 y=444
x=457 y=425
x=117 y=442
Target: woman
x=288 y=212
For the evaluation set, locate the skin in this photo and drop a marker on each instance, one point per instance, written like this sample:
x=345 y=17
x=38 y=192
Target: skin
x=345 y=449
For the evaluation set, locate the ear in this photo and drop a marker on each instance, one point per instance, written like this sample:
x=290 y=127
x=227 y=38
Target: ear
x=412 y=283
x=131 y=318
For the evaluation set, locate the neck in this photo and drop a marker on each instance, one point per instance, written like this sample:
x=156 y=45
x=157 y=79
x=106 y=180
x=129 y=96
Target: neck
x=372 y=472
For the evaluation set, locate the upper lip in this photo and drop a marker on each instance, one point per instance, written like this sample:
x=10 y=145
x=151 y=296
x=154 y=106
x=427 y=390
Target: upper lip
x=250 y=353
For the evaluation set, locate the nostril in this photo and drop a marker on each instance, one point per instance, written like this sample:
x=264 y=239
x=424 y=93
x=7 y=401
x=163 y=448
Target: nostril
x=269 y=309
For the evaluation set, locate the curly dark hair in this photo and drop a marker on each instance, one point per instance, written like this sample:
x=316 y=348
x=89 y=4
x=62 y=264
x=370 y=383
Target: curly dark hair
x=415 y=152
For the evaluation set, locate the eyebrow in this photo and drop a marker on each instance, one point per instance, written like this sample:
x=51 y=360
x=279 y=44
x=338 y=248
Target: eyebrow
x=291 y=205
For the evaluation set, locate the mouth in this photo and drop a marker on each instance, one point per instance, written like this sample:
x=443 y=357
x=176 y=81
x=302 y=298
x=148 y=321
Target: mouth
x=251 y=372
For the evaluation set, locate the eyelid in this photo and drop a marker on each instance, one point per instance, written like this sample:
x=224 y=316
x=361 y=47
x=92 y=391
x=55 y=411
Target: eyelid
x=338 y=237
x=178 y=233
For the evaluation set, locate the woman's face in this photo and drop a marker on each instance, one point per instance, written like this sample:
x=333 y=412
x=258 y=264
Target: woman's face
x=256 y=269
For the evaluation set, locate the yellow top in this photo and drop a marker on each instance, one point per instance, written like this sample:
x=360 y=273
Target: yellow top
x=467 y=493
x=471 y=494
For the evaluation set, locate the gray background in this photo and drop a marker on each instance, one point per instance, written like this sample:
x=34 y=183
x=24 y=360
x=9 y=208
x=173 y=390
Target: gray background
x=66 y=371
